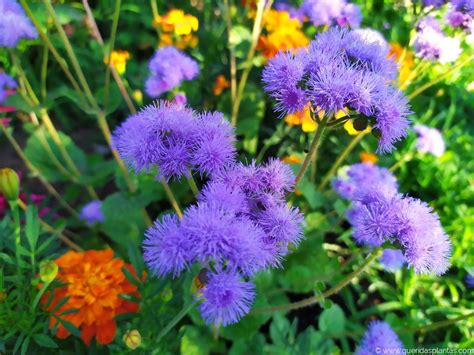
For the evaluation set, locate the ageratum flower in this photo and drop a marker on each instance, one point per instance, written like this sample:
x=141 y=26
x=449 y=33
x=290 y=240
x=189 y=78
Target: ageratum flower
x=330 y=12
x=432 y=44
x=225 y=299
x=379 y=214
x=92 y=212
x=469 y=280
x=14 y=24
x=392 y=259
x=434 y=3
x=341 y=70
x=168 y=68
x=176 y=140
x=295 y=13
x=6 y=83
x=378 y=339
x=429 y=140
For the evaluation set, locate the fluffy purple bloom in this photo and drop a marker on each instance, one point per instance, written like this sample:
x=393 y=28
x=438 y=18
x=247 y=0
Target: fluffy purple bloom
x=15 y=25
x=464 y=6
x=92 y=212
x=227 y=198
x=426 y=246
x=432 y=44
x=373 y=36
x=378 y=339
x=6 y=82
x=362 y=180
x=180 y=99
x=429 y=140
x=165 y=248
x=168 y=68
x=225 y=299
x=295 y=13
x=329 y=12
x=278 y=177
x=342 y=70
x=434 y=3
x=392 y=259
x=172 y=138
x=215 y=146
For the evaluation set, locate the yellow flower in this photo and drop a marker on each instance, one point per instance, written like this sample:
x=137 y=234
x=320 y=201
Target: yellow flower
x=177 y=28
x=292 y=159
x=303 y=119
x=118 y=59
x=367 y=157
x=220 y=84
x=405 y=59
x=132 y=339
x=283 y=33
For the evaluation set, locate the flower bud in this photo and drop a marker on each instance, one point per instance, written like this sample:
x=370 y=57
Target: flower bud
x=9 y=184
x=132 y=339
x=48 y=271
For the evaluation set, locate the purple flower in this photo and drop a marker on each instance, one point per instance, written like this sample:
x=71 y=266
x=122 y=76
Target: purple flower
x=225 y=299
x=329 y=12
x=469 y=280
x=225 y=197
x=379 y=338
x=168 y=68
x=296 y=13
x=464 y=6
x=92 y=212
x=341 y=70
x=166 y=249
x=215 y=146
x=434 y=3
x=426 y=246
x=278 y=177
x=14 y=25
x=373 y=36
x=392 y=259
x=172 y=138
x=432 y=44
x=6 y=82
x=180 y=99
x=429 y=140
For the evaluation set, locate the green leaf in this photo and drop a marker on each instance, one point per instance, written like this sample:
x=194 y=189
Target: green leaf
x=24 y=346
x=71 y=328
x=44 y=341
x=314 y=198
x=45 y=155
x=32 y=226
x=194 y=341
x=332 y=321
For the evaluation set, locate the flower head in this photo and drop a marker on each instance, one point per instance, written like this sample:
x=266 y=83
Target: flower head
x=14 y=25
x=329 y=12
x=392 y=259
x=93 y=284
x=92 y=212
x=118 y=60
x=177 y=29
x=6 y=83
x=168 y=68
x=379 y=337
x=225 y=299
x=469 y=280
x=429 y=140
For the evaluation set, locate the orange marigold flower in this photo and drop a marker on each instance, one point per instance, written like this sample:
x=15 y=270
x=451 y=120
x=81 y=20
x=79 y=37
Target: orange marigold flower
x=93 y=283
x=220 y=84
x=284 y=33
x=367 y=157
x=405 y=59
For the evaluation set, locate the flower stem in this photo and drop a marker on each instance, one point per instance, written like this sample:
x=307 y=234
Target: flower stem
x=318 y=298
x=313 y=150
x=192 y=185
x=172 y=199
x=257 y=28
x=16 y=226
x=184 y=311
x=443 y=323
x=440 y=77
x=406 y=158
x=233 y=60
x=340 y=159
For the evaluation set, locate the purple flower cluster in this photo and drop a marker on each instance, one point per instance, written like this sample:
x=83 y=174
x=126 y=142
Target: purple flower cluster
x=14 y=25
x=294 y=12
x=429 y=140
x=461 y=14
x=176 y=140
x=470 y=280
x=341 y=70
x=379 y=215
x=434 y=3
x=392 y=259
x=168 y=68
x=92 y=212
x=6 y=82
x=431 y=43
x=378 y=339
x=330 y=12
x=240 y=225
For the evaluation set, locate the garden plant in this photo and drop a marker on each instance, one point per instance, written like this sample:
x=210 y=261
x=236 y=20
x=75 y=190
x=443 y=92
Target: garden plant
x=236 y=177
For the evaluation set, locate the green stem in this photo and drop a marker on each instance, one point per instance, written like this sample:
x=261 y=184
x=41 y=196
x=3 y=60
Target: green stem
x=17 y=230
x=318 y=298
x=176 y=320
x=440 y=77
x=112 y=45
x=340 y=159
x=171 y=198
x=406 y=158
x=313 y=149
x=442 y=324
x=71 y=55
x=39 y=295
x=44 y=72
x=192 y=185
x=56 y=55
x=233 y=60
